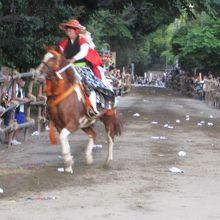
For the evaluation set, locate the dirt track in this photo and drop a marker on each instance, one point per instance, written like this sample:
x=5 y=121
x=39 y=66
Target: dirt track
x=139 y=184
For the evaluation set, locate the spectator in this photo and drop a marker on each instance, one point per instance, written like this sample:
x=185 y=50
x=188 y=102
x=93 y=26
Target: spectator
x=19 y=112
x=111 y=67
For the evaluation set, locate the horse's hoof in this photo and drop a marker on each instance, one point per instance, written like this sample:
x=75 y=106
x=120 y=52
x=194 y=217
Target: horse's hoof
x=108 y=163
x=69 y=170
x=89 y=160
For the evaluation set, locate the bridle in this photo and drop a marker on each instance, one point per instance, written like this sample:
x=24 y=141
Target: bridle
x=56 y=66
x=50 y=70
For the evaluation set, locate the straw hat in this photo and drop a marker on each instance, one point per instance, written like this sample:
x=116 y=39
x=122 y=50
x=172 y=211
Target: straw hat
x=71 y=24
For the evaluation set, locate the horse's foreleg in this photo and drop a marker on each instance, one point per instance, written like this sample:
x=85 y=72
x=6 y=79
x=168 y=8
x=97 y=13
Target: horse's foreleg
x=92 y=135
x=67 y=157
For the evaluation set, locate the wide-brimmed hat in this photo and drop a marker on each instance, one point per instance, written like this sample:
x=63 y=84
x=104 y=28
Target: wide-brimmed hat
x=71 y=24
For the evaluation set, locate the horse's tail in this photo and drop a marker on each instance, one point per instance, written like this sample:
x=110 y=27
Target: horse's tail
x=117 y=126
x=111 y=118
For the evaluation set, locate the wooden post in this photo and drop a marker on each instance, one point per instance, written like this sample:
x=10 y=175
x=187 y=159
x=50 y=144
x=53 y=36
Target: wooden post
x=28 y=110
x=39 y=109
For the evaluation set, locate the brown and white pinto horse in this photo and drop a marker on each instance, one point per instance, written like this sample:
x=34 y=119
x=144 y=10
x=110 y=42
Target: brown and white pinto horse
x=67 y=108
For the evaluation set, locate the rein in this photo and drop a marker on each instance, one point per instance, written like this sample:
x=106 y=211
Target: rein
x=61 y=97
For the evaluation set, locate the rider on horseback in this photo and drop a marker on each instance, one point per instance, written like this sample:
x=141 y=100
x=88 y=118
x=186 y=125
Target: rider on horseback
x=78 y=49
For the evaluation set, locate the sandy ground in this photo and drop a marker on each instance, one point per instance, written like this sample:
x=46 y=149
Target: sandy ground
x=138 y=185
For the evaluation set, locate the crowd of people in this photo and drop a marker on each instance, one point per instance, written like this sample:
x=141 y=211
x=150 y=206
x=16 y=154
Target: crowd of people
x=150 y=79
x=198 y=85
x=120 y=80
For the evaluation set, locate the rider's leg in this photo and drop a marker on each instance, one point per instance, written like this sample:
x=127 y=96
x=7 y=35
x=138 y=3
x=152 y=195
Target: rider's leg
x=104 y=79
x=92 y=99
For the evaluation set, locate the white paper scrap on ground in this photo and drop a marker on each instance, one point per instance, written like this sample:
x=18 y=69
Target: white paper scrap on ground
x=199 y=124
x=178 y=121
x=1 y=190
x=175 y=170
x=136 y=115
x=170 y=127
x=159 y=138
x=97 y=146
x=182 y=153
x=154 y=122
x=210 y=124
x=202 y=122
x=187 y=117
x=166 y=125
x=35 y=133
x=61 y=169
x=163 y=138
x=211 y=116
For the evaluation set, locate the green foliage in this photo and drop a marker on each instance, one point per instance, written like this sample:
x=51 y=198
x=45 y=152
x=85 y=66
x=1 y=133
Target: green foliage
x=197 y=44
x=26 y=25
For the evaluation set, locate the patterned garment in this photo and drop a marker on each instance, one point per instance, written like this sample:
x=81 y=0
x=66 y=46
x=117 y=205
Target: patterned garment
x=89 y=79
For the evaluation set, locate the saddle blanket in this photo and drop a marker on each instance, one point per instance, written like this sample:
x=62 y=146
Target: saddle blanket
x=89 y=78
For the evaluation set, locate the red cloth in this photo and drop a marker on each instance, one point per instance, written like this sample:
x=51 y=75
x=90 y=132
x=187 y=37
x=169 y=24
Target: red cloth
x=63 y=43
x=92 y=56
x=97 y=72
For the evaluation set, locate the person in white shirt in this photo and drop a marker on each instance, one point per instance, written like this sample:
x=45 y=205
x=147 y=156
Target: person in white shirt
x=19 y=112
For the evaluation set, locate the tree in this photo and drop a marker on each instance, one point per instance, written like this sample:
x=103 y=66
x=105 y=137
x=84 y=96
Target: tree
x=26 y=25
x=125 y=25
x=197 y=44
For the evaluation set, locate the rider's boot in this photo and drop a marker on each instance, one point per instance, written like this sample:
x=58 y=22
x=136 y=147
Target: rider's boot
x=92 y=99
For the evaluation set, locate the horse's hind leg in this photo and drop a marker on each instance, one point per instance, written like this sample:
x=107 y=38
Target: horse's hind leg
x=67 y=157
x=110 y=140
x=88 y=153
x=113 y=127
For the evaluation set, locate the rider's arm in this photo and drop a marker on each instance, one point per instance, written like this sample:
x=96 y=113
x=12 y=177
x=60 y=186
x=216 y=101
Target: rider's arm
x=84 y=49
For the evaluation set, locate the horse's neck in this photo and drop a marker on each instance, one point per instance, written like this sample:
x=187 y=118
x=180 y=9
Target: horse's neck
x=69 y=77
x=67 y=74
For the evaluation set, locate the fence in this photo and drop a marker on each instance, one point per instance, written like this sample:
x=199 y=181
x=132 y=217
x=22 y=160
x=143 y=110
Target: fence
x=38 y=100
x=121 y=85
x=207 y=90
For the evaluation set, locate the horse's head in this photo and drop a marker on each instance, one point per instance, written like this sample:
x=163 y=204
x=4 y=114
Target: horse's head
x=50 y=62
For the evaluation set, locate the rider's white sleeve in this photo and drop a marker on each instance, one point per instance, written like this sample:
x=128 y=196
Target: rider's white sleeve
x=84 y=49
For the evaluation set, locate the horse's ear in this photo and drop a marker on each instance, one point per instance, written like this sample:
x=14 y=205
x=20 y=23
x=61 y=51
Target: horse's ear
x=57 y=48
x=45 y=47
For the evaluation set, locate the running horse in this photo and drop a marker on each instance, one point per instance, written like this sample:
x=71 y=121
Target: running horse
x=67 y=109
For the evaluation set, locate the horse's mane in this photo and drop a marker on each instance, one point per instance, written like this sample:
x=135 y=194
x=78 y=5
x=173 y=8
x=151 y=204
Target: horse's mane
x=54 y=49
